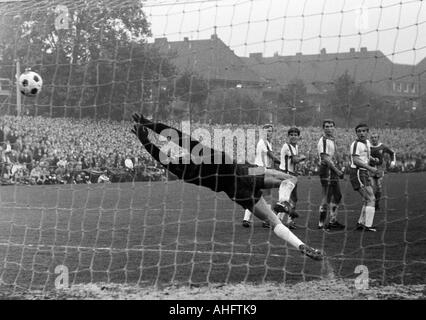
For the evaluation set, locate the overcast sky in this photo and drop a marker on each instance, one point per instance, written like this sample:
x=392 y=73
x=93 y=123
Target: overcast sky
x=285 y=27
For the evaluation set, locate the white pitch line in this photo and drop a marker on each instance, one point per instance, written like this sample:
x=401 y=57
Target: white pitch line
x=248 y=254
x=50 y=247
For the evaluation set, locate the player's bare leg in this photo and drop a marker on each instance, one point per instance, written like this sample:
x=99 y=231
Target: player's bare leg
x=275 y=179
x=378 y=192
x=323 y=209
x=248 y=214
x=263 y=212
x=292 y=215
x=377 y=185
x=336 y=197
x=366 y=218
x=267 y=195
x=286 y=184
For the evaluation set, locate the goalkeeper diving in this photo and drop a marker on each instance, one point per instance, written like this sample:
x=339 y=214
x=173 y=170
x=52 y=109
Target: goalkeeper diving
x=243 y=183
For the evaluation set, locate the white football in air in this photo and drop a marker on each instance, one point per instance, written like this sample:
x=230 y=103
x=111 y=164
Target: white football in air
x=30 y=83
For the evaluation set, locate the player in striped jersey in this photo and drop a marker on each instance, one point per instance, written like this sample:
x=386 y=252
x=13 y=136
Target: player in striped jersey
x=360 y=177
x=289 y=159
x=329 y=178
x=378 y=151
x=264 y=158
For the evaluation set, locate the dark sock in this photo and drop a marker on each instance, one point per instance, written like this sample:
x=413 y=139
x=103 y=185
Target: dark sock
x=323 y=215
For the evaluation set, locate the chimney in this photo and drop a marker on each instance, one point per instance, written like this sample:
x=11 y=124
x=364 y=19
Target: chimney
x=185 y=39
x=352 y=50
x=323 y=51
x=364 y=50
x=214 y=36
x=298 y=54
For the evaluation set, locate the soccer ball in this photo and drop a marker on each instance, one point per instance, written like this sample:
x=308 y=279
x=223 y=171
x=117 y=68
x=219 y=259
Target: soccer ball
x=30 y=83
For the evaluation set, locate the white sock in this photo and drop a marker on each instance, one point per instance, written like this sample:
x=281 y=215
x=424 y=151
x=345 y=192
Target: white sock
x=284 y=233
x=369 y=215
x=333 y=212
x=286 y=187
x=361 y=219
x=247 y=215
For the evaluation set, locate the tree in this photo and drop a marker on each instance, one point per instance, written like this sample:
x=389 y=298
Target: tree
x=293 y=103
x=95 y=30
x=101 y=61
x=193 y=90
x=350 y=100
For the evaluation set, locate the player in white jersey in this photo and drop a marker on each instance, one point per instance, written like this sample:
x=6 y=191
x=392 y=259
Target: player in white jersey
x=264 y=158
x=329 y=177
x=289 y=159
x=360 y=177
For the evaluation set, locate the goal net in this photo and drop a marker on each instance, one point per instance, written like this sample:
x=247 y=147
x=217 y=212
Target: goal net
x=82 y=202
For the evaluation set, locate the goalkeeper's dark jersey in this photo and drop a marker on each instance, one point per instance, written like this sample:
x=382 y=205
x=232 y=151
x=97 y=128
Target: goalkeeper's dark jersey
x=212 y=174
x=220 y=173
x=230 y=177
x=379 y=151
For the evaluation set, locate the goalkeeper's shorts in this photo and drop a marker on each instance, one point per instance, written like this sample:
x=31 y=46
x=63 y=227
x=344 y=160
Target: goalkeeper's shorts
x=245 y=188
x=360 y=178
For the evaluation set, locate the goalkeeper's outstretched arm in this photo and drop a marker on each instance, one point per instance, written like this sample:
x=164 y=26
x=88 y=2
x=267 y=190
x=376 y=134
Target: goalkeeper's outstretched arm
x=160 y=128
x=142 y=134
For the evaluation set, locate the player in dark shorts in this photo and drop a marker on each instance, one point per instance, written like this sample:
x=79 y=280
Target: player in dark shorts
x=217 y=171
x=329 y=176
x=377 y=152
x=290 y=158
x=360 y=173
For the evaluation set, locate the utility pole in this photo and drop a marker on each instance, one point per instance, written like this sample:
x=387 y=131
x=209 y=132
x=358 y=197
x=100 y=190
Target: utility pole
x=294 y=106
x=18 y=92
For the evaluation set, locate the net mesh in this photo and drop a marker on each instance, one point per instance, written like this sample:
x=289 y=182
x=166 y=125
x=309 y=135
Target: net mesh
x=210 y=65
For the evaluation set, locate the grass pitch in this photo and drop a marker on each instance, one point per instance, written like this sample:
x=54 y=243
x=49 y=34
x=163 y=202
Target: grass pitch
x=156 y=235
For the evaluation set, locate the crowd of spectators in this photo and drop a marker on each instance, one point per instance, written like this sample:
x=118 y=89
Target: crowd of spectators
x=41 y=150
x=409 y=145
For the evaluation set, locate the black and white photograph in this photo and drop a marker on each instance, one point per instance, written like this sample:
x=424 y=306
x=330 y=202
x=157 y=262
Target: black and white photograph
x=225 y=151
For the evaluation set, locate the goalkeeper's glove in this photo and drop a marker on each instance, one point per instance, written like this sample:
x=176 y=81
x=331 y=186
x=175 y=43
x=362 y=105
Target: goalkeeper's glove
x=141 y=132
x=392 y=164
